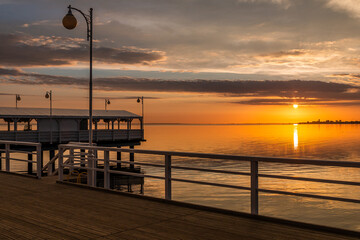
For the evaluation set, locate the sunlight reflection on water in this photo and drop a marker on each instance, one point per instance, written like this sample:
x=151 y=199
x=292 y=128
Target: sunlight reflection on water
x=328 y=142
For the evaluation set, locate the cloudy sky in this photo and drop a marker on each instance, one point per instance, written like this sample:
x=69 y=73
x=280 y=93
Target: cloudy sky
x=194 y=61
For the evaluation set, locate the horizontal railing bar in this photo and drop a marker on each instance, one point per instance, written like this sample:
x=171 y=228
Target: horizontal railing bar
x=20 y=143
x=210 y=184
x=226 y=157
x=138 y=163
x=311 y=179
x=75 y=156
x=135 y=174
x=88 y=168
x=117 y=172
x=16 y=151
x=23 y=152
x=310 y=195
x=20 y=160
x=211 y=170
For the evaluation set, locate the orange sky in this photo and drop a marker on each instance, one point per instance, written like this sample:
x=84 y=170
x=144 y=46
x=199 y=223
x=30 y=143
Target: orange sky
x=201 y=61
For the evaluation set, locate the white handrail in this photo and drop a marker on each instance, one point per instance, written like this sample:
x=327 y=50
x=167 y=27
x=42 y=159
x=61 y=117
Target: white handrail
x=8 y=157
x=254 y=170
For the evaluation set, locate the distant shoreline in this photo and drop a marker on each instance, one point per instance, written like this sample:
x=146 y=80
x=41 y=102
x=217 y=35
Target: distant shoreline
x=350 y=122
x=238 y=124
x=219 y=124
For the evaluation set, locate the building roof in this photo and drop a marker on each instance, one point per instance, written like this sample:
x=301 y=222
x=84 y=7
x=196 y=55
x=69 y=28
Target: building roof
x=7 y=112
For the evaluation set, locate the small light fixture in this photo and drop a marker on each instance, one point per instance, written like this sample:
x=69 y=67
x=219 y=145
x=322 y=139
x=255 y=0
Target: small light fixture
x=69 y=21
x=138 y=100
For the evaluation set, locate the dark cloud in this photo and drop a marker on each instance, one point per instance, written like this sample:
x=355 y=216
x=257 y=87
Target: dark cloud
x=20 y=50
x=307 y=92
x=284 y=53
x=129 y=97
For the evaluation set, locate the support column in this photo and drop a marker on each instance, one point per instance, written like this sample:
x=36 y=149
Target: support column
x=132 y=158
x=112 y=130
x=15 y=129
x=118 y=157
x=30 y=165
x=82 y=157
x=51 y=156
x=42 y=161
x=96 y=132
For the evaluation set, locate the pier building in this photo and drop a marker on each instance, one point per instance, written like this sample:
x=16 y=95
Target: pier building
x=117 y=127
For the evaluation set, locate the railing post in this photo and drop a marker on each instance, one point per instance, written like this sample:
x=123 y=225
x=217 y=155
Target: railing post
x=91 y=179
x=7 y=157
x=30 y=164
x=168 y=177
x=106 y=170
x=132 y=158
x=71 y=160
x=38 y=161
x=60 y=166
x=254 y=187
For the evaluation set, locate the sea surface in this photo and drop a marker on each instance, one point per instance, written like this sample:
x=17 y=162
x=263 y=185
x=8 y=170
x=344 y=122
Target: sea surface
x=325 y=142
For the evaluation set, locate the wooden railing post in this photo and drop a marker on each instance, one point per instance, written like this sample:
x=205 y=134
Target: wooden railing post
x=60 y=166
x=71 y=160
x=254 y=187
x=106 y=170
x=91 y=177
x=7 y=157
x=38 y=161
x=168 y=177
x=30 y=164
x=132 y=158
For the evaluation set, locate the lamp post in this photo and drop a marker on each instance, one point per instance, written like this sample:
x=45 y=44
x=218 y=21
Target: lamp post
x=69 y=22
x=48 y=95
x=107 y=102
x=17 y=99
x=141 y=99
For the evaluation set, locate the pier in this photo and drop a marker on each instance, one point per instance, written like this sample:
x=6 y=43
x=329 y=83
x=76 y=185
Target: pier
x=79 y=200
x=41 y=209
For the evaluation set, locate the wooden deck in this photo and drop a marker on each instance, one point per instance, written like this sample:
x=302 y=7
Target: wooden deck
x=42 y=209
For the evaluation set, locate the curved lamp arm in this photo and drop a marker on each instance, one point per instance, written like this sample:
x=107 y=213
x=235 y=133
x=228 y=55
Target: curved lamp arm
x=88 y=19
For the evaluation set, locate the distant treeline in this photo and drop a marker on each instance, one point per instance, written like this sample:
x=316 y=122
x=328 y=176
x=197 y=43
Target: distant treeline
x=330 y=122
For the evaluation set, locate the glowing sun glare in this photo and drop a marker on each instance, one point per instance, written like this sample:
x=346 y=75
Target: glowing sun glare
x=295 y=106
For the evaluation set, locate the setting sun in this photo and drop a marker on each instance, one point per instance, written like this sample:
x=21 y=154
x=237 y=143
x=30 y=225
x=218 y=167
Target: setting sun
x=295 y=106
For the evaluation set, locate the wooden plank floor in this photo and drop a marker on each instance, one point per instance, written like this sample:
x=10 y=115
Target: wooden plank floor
x=42 y=209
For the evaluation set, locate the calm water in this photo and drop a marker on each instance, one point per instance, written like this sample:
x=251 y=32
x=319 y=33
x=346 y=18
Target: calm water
x=329 y=142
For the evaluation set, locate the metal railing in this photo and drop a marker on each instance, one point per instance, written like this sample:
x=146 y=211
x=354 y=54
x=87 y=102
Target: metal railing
x=16 y=147
x=90 y=161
